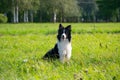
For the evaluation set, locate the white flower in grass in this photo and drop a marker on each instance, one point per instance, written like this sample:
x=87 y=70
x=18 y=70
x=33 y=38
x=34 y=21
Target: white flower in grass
x=25 y=60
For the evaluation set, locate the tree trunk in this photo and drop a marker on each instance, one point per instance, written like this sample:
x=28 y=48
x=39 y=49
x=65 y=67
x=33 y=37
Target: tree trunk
x=118 y=15
x=17 y=14
x=78 y=19
x=54 y=17
x=25 y=16
x=14 y=15
x=31 y=16
x=94 y=18
x=14 y=12
x=61 y=19
x=64 y=19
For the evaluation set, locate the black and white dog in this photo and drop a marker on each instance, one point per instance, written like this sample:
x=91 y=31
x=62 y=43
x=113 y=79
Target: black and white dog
x=62 y=49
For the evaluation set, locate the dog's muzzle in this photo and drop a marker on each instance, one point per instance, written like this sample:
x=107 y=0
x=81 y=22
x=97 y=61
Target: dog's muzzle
x=63 y=36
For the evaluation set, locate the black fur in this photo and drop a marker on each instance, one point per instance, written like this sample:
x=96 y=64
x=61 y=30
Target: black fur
x=53 y=53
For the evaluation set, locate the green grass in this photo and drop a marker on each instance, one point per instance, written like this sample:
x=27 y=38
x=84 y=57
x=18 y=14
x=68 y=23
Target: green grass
x=95 y=53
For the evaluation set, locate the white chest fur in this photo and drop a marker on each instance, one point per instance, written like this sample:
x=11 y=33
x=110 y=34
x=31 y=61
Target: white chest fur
x=64 y=49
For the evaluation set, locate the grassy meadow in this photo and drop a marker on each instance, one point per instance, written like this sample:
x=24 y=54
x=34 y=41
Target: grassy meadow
x=95 y=52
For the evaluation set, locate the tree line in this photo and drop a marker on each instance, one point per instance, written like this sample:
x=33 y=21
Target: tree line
x=61 y=10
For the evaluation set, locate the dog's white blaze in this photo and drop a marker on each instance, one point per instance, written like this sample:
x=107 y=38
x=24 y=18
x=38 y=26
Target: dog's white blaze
x=64 y=34
x=64 y=50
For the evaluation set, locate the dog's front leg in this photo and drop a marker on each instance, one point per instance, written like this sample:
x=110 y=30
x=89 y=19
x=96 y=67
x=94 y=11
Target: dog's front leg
x=62 y=56
x=68 y=56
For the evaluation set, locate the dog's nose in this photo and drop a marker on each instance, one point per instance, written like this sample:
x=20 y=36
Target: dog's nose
x=63 y=36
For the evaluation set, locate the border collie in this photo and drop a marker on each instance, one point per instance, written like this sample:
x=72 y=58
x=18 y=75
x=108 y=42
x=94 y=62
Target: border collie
x=62 y=49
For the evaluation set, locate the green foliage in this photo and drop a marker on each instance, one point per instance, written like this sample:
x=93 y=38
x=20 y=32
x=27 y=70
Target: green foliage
x=61 y=8
x=109 y=6
x=95 y=55
x=29 y=4
x=3 y=19
x=64 y=10
x=88 y=9
x=5 y=6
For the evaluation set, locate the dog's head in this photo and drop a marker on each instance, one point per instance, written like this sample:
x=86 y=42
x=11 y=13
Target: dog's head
x=64 y=33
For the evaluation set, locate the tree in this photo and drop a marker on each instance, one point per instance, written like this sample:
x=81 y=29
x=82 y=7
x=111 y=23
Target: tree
x=5 y=6
x=109 y=9
x=51 y=7
x=69 y=9
x=88 y=9
x=35 y=6
x=6 y=9
x=28 y=6
x=25 y=7
x=60 y=7
x=15 y=10
x=10 y=6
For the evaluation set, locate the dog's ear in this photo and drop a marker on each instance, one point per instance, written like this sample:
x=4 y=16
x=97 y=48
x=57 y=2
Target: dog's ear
x=68 y=27
x=60 y=26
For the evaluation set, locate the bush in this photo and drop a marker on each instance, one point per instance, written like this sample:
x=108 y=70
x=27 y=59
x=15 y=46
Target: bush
x=3 y=18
